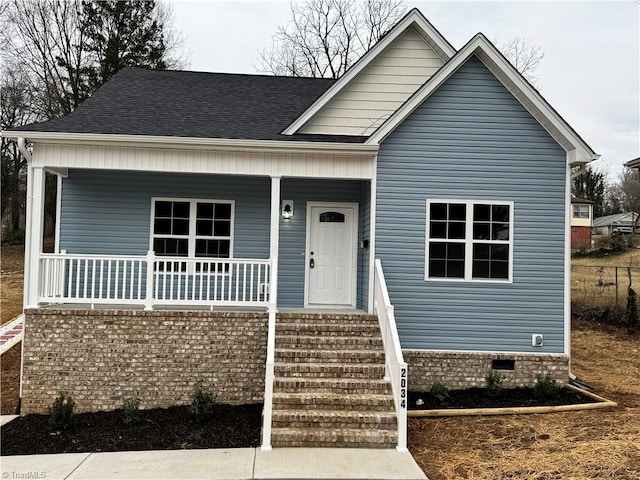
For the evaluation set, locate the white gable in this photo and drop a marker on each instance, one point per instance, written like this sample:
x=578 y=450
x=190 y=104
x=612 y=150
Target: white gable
x=379 y=90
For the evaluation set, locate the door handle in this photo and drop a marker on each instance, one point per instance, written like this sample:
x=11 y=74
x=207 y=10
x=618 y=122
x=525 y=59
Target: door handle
x=312 y=263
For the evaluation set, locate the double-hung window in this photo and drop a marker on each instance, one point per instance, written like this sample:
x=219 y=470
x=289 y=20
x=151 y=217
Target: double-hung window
x=469 y=240
x=192 y=228
x=581 y=211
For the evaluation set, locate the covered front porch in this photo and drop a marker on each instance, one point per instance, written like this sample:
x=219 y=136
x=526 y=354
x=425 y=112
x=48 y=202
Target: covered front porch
x=182 y=240
x=152 y=243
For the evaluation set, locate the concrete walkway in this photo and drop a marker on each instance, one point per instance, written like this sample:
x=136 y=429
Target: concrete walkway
x=231 y=464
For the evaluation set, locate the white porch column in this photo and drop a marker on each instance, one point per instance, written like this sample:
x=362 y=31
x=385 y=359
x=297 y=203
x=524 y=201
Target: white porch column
x=34 y=225
x=274 y=242
x=372 y=239
x=273 y=305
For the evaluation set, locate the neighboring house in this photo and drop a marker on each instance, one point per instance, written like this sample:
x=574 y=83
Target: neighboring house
x=619 y=223
x=635 y=163
x=581 y=219
x=237 y=229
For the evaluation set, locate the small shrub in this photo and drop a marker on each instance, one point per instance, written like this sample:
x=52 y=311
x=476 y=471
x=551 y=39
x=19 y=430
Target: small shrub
x=440 y=392
x=546 y=387
x=61 y=413
x=203 y=402
x=13 y=237
x=613 y=244
x=493 y=382
x=131 y=411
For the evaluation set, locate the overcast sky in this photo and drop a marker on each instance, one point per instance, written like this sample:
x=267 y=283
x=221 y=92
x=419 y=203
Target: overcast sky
x=590 y=72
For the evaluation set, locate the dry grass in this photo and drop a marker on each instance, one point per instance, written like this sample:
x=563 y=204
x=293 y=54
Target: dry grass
x=586 y=445
x=626 y=259
x=11 y=281
x=595 y=281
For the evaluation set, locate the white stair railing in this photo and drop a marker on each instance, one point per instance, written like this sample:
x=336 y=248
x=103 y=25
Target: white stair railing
x=395 y=366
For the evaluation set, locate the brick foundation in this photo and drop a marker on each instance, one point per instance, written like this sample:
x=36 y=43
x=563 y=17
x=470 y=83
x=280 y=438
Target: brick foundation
x=467 y=370
x=100 y=357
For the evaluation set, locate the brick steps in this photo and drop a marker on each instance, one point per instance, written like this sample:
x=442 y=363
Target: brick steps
x=332 y=385
x=324 y=318
x=333 y=401
x=335 y=438
x=334 y=418
x=329 y=370
x=329 y=389
x=328 y=329
x=328 y=342
x=328 y=356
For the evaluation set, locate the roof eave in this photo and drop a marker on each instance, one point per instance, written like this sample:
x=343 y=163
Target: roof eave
x=192 y=142
x=578 y=151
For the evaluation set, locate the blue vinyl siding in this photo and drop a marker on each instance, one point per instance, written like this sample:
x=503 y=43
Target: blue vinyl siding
x=471 y=140
x=107 y=212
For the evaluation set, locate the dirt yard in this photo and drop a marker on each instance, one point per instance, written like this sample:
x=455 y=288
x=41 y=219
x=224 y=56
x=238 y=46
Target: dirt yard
x=11 y=278
x=587 y=445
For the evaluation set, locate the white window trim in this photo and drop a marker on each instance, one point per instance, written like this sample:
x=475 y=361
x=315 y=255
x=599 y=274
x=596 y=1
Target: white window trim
x=193 y=202
x=468 y=241
x=580 y=208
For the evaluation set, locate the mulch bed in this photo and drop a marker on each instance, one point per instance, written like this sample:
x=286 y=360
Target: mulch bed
x=232 y=426
x=480 y=398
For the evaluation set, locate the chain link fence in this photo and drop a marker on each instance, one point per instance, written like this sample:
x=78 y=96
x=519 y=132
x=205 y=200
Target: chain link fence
x=603 y=285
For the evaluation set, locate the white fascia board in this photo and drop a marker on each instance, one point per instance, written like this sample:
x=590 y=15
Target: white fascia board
x=413 y=18
x=149 y=141
x=567 y=138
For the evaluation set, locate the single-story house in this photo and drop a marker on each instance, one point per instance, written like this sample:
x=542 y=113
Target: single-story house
x=581 y=219
x=635 y=163
x=618 y=223
x=317 y=245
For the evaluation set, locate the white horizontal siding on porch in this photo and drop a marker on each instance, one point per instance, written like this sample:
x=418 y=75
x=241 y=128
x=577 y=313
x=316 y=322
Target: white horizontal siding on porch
x=295 y=164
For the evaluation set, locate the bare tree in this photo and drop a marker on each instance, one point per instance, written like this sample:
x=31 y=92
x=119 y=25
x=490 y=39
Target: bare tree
x=44 y=40
x=16 y=111
x=524 y=56
x=628 y=189
x=325 y=37
x=54 y=57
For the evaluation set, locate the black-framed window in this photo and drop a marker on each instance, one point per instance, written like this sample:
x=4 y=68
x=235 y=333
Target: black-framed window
x=469 y=240
x=192 y=228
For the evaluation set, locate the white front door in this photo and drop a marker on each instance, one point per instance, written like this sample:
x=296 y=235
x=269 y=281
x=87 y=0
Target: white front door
x=331 y=254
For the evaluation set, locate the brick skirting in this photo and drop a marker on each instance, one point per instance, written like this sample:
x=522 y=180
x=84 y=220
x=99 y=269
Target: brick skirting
x=467 y=370
x=100 y=357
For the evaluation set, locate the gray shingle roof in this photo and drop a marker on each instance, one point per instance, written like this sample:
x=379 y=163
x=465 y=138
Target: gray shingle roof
x=620 y=219
x=195 y=104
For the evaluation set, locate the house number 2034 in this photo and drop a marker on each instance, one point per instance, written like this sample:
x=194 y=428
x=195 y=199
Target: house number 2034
x=403 y=388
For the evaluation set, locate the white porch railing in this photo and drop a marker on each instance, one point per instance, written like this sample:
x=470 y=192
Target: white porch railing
x=395 y=366
x=152 y=280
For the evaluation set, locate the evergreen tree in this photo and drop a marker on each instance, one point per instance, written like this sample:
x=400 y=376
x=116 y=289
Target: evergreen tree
x=591 y=185
x=122 y=34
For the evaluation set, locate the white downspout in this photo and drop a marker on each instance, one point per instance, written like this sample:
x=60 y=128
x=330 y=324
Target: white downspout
x=27 y=246
x=28 y=213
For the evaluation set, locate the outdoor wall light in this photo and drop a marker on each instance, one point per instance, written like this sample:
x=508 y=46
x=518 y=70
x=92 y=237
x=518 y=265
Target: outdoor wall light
x=287 y=208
